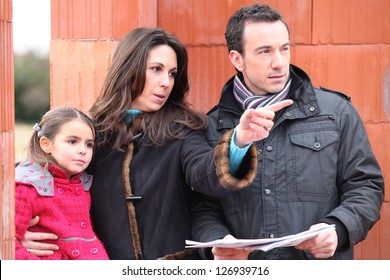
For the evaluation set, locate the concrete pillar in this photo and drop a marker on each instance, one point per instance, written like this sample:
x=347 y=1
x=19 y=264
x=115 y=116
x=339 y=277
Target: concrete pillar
x=7 y=133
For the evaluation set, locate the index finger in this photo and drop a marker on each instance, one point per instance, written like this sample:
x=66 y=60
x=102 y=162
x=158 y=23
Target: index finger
x=35 y=236
x=279 y=105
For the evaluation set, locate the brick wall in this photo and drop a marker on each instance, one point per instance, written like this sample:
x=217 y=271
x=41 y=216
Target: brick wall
x=7 y=132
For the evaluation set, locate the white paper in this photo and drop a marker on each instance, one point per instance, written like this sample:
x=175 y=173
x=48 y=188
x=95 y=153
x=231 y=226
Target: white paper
x=264 y=244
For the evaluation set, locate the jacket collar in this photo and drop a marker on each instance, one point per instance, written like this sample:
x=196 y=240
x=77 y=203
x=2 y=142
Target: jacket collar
x=33 y=174
x=301 y=92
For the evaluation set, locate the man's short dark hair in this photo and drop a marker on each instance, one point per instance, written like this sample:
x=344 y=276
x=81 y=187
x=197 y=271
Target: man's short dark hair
x=248 y=14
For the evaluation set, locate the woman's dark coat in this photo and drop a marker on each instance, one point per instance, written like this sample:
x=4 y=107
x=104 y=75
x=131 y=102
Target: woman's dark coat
x=164 y=177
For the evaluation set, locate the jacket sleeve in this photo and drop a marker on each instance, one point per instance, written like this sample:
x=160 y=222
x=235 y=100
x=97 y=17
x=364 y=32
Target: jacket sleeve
x=208 y=221
x=359 y=178
x=247 y=171
x=207 y=170
x=23 y=216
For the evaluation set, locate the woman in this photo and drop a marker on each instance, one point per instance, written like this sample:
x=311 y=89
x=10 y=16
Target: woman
x=152 y=153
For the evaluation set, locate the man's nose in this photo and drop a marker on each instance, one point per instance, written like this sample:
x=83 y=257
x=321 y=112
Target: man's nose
x=278 y=60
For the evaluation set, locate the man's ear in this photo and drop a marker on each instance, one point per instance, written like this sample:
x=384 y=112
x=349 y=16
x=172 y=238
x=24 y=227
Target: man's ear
x=236 y=60
x=45 y=144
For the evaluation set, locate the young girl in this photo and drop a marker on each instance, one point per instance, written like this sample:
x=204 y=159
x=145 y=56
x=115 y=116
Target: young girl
x=53 y=185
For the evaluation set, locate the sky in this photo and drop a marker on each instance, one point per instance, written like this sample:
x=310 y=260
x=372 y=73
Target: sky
x=31 y=25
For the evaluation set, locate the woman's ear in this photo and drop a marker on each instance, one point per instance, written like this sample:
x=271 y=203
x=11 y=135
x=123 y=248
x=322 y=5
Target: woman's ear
x=236 y=60
x=45 y=144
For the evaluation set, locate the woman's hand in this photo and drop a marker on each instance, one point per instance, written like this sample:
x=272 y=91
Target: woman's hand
x=32 y=241
x=255 y=124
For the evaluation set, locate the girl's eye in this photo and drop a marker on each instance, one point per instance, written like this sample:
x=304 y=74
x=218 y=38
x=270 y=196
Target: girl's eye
x=72 y=142
x=173 y=74
x=90 y=145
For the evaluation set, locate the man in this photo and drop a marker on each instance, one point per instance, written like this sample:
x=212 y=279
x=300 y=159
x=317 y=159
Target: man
x=316 y=166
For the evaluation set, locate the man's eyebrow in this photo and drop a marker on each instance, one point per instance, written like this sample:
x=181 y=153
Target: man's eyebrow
x=269 y=46
x=263 y=47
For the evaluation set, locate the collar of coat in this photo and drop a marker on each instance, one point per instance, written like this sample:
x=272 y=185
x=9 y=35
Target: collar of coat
x=301 y=92
x=33 y=174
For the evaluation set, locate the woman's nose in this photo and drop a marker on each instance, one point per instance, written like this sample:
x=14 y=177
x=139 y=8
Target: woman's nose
x=165 y=80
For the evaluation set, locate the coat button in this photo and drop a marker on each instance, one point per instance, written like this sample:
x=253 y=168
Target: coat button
x=60 y=190
x=267 y=191
x=77 y=191
x=83 y=224
x=94 y=250
x=271 y=235
x=75 y=253
x=312 y=108
x=317 y=145
x=288 y=114
x=269 y=148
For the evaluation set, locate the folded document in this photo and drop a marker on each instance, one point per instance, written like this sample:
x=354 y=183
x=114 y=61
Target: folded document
x=264 y=244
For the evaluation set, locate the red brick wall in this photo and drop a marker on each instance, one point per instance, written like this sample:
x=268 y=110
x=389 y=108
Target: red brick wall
x=7 y=132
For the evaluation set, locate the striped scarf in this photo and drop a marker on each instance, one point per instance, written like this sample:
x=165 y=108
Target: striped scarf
x=248 y=100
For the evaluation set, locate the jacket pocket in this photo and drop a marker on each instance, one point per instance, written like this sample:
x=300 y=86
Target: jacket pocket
x=313 y=163
x=314 y=140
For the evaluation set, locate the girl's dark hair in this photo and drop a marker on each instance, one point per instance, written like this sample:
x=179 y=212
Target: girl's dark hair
x=248 y=14
x=49 y=127
x=125 y=81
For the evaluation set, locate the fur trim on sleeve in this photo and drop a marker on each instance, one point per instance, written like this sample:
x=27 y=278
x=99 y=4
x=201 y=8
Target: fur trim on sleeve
x=222 y=162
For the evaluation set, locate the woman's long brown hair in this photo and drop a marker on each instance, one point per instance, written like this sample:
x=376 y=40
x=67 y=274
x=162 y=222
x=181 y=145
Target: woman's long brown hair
x=125 y=81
